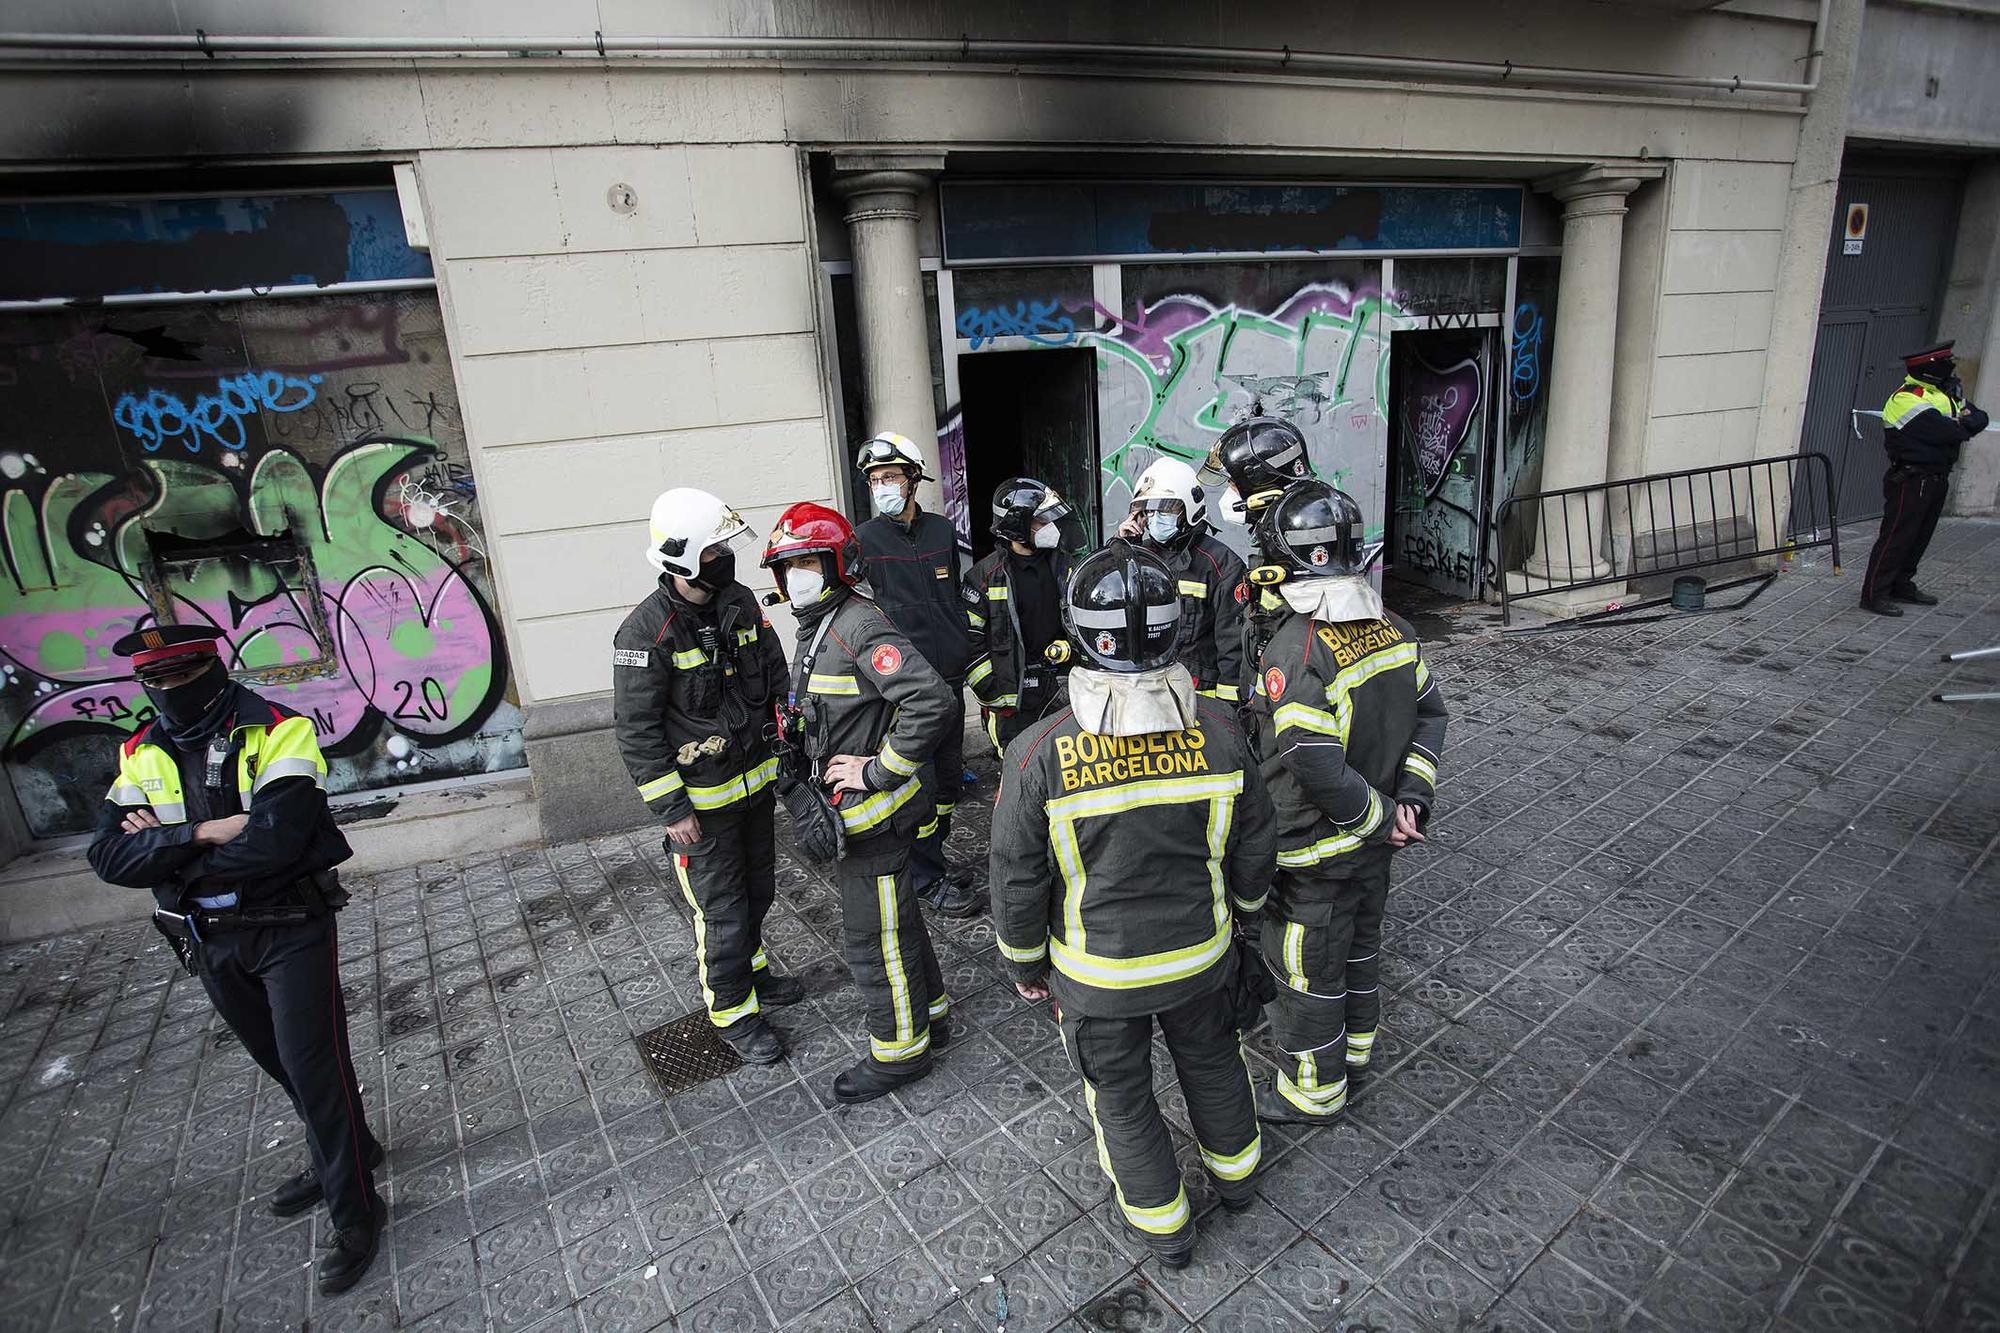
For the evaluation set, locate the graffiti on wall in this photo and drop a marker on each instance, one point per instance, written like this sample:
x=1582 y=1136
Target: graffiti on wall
x=1440 y=434
x=309 y=496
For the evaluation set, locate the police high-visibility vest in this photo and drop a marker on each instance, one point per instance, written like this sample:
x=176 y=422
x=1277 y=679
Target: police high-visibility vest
x=285 y=748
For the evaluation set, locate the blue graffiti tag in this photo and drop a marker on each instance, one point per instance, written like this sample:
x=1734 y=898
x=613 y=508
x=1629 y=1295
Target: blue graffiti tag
x=218 y=416
x=1527 y=352
x=1040 y=322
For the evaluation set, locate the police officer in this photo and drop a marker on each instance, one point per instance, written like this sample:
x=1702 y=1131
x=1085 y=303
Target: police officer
x=1350 y=727
x=219 y=808
x=1170 y=514
x=1014 y=600
x=1131 y=828
x=1923 y=424
x=915 y=574
x=695 y=672
x=873 y=713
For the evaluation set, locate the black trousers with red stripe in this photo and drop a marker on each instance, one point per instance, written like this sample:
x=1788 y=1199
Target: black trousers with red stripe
x=278 y=988
x=1911 y=504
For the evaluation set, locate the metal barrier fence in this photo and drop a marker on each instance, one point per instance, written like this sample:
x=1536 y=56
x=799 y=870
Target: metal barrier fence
x=1671 y=522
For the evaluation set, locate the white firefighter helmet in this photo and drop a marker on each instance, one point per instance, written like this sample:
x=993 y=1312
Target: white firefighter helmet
x=1170 y=479
x=892 y=450
x=687 y=522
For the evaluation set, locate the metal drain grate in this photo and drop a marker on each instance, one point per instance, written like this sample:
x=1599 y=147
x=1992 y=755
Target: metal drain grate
x=685 y=1052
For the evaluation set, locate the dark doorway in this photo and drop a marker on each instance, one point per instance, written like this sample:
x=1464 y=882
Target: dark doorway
x=1440 y=383
x=1876 y=305
x=1030 y=414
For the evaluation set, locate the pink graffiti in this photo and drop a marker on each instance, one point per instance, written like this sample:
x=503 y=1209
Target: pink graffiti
x=1150 y=330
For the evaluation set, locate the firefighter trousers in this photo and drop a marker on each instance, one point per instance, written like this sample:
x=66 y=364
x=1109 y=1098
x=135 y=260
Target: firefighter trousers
x=728 y=879
x=887 y=949
x=1322 y=940
x=278 y=988
x=927 y=861
x=1115 y=1058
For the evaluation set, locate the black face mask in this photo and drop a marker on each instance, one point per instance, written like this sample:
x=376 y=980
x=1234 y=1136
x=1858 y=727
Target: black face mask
x=185 y=707
x=716 y=574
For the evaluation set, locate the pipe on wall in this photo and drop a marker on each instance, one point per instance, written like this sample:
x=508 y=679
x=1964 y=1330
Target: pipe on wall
x=206 y=46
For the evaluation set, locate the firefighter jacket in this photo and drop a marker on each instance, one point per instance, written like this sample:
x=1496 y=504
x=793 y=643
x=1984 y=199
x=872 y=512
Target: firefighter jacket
x=870 y=693
x=1213 y=594
x=1921 y=428
x=1350 y=723
x=693 y=718
x=999 y=657
x=914 y=574
x=275 y=773
x=1118 y=861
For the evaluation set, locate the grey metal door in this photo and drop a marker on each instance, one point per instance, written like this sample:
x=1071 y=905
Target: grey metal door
x=1875 y=306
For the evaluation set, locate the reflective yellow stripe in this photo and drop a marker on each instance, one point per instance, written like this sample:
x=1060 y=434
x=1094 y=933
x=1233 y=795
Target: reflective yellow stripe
x=1163 y=1220
x=976 y=620
x=287 y=749
x=998 y=594
x=660 y=786
x=1231 y=693
x=126 y=793
x=1306 y=718
x=1235 y=1166
x=1423 y=676
x=1251 y=904
x=689 y=659
x=739 y=788
x=1422 y=768
x=722 y=1018
x=894 y=762
x=1295 y=957
x=878 y=807
x=824 y=684
x=746 y=636
x=1003 y=701
x=1339 y=692
x=1159 y=791
x=1312 y=1100
x=1339 y=844
x=758 y=961
x=1903 y=404
x=980 y=672
x=940 y=1006
x=1014 y=955
x=892 y=967
x=291 y=768
x=1153 y=969
x=1193 y=588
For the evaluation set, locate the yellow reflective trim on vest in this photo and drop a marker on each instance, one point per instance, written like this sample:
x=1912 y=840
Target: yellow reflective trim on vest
x=290 y=768
x=1226 y=693
x=1907 y=402
x=894 y=762
x=976 y=620
x=831 y=684
x=997 y=594
x=661 y=786
x=979 y=672
x=126 y=793
x=1153 y=969
x=1339 y=844
x=746 y=636
x=1193 y=588
x=689 y=658
x=1306 y=718
x=739 y=788
x=878 y=807
x=1340 y=690
x=1158 y=791
x=1421 y=767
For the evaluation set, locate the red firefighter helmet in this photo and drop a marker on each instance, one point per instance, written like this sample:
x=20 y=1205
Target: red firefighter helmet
x=813 y=529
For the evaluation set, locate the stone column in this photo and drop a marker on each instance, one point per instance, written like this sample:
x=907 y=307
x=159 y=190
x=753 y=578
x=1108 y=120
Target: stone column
x=879 y=193
x=1570 y=542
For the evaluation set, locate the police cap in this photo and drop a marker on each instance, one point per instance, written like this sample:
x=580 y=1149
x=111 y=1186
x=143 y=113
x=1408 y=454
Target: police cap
x=162 y=650
x=1929 y=356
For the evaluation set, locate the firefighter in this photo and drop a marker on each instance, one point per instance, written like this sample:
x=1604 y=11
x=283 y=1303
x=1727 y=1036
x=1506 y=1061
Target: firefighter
x=1923 y=424
x=872 y=713
x=1170 y=514
x=1013 y=598
x=915 y=575
x=1132 y=827
x=219 y=807
x=1249 y=467
x=695 y=671
x=1350 y=727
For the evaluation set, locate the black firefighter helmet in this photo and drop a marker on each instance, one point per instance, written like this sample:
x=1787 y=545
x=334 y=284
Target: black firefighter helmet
x=1257 y=455
x=1312 y=529
x=1018 y=502
x=1123 y=609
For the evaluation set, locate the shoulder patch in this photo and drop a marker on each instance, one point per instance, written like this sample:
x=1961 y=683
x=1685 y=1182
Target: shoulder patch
x=1242 y=591
x=632 y=657
x=886 y=659
x=1274 y=683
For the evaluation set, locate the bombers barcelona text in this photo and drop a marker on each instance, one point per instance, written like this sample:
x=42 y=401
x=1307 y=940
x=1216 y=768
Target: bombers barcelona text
x=1089 y=760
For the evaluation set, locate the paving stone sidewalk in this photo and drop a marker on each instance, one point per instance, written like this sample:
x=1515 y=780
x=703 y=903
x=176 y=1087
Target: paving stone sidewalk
x=1693 y=1027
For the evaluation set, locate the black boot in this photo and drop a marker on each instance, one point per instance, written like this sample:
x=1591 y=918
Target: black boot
x=754 y=1040
x=348 y=1254
x=1882 y=606
x=1273 y=1107
x=868 y=1079
x=778 y=991
x=953 y=895
x=302 y=1191
x=1911 y=593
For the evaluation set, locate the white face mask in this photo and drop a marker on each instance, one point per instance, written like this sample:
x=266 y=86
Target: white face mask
x=1232 y=507
x=804 y=586
x=889 y=499
x=1162 y=527
x=1046 y=537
